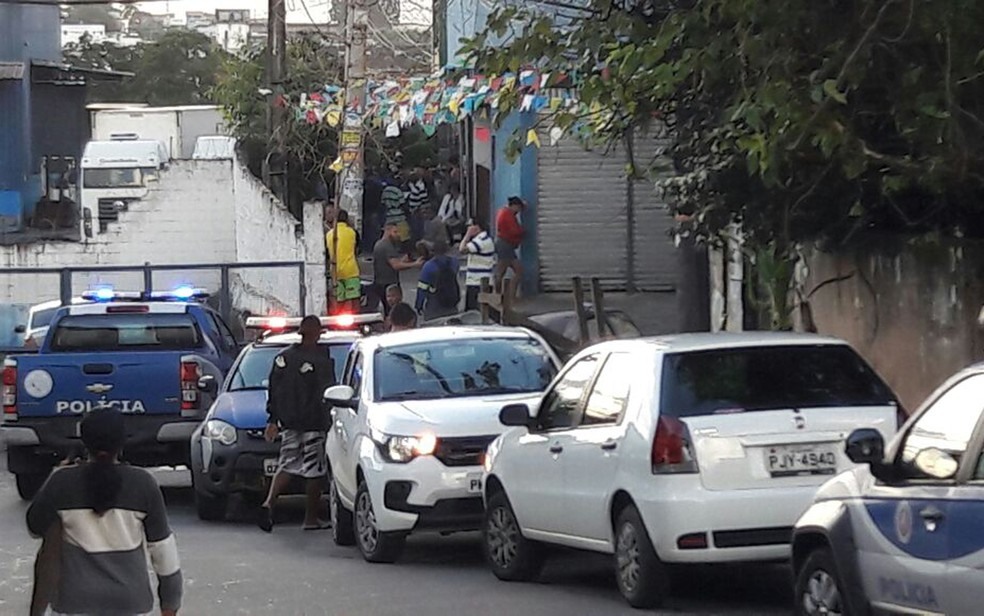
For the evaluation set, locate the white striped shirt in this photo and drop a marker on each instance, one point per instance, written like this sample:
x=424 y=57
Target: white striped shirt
x=481 y=258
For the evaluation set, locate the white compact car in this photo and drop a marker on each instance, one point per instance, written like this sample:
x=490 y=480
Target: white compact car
x=411 y=423
x=701 y=448
x=904 y=534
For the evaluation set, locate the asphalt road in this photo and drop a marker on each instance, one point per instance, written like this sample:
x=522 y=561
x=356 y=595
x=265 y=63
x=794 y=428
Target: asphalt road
x=233 y=568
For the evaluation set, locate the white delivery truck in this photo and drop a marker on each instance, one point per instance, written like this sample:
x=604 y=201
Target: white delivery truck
x=112 y=175
x=178 y=128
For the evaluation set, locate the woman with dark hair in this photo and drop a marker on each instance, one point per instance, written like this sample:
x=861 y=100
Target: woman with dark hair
x=103 y=517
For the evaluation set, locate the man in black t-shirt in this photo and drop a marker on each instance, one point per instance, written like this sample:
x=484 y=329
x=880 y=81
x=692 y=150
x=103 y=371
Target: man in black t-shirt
x=298 y=380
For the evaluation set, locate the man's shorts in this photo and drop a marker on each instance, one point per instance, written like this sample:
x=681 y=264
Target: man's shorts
x=302 y=454
x=504 y=251
x=347 y=289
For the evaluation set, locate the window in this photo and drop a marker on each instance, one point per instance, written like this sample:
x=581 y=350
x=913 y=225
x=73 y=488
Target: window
x=560 y=408
x=949 y=422
x=610 y=393
x=115 y=332
x=42 y=318
x=112 y=178
x=461 y=368
x=355 y=379
x=222 y=332
x=253 y=371
x=768 y=378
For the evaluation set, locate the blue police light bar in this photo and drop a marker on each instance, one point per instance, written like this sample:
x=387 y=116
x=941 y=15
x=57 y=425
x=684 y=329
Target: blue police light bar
x=107 y=294
x=182 y=293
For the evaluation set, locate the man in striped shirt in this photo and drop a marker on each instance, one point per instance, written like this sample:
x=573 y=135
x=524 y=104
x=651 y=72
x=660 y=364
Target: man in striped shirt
x=480 y=248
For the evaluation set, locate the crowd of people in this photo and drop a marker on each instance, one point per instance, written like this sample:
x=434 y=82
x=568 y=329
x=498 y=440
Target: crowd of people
x=421 y=219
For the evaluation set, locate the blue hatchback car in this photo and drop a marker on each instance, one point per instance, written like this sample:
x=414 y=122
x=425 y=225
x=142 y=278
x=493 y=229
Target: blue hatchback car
x=228 y=452
x=905 y=533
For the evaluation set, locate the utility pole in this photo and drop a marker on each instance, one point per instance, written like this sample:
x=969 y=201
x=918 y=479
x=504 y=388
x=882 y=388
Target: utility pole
x=349 y=187
x=275 y=166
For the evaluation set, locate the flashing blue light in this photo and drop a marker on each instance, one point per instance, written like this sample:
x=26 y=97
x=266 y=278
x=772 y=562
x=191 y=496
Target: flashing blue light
x=105 y=294
x=184 y=293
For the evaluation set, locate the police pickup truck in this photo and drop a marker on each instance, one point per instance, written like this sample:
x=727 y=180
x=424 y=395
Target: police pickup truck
x=158 y=357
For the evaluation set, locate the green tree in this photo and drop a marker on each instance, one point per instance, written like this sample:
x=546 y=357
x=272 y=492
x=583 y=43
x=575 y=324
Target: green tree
x=240 y=89
x=803 y=121
x=178 y=69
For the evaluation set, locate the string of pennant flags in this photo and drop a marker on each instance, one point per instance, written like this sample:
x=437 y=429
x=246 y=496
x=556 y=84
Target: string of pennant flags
x=430 y=102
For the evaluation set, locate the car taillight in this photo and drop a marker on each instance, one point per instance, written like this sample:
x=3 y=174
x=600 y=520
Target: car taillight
x=672 y=450
x=190 y=373
x=8 y=390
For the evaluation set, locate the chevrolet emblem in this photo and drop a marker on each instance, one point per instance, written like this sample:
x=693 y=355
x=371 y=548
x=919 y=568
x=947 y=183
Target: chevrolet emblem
x=98 y=388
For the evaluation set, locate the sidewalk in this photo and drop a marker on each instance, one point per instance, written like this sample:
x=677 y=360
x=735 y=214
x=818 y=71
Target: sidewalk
x=653 y=313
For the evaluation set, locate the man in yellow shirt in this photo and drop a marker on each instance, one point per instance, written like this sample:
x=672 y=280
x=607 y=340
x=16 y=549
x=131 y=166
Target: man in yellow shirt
x=345 y=266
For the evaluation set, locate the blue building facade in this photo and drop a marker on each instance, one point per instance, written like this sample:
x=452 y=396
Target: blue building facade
x=42 y=106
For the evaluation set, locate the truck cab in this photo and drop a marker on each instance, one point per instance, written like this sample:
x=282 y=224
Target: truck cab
x=113 y=174
x=157 y=358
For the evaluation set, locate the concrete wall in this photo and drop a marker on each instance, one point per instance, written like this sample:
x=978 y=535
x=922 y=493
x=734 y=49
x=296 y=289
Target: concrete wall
x=265 y=231
x=199 y=212
x=910 y=310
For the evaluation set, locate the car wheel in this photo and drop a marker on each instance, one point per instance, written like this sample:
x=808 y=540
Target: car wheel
x=28 y=484
x=341 y=518
x=513 y=557
x=818 y=587
x=209 y=507
x=375 y=545
x=642 y=577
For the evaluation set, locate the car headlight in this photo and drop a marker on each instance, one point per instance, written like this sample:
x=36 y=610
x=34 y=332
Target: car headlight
x=220 y=431
x=404 y=448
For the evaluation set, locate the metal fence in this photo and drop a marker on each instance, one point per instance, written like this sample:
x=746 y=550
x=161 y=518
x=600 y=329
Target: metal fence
x=147 y=273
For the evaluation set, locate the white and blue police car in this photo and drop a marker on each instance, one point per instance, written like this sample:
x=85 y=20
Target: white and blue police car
x=903 y=534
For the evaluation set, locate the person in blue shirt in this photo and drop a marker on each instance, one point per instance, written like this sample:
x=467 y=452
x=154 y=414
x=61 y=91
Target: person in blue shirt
x=438 y=292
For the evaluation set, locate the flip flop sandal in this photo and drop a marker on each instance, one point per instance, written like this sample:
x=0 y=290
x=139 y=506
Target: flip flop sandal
x=321 y=525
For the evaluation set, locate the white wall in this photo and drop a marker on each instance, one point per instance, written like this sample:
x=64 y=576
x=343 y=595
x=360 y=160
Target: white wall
x=200 y=212
x=265 y=231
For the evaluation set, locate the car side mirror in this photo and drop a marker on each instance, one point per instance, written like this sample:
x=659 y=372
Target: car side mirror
x=208 y=384
x=20 y=329
x=865 y=446
x=341 y=396
x=516 y=415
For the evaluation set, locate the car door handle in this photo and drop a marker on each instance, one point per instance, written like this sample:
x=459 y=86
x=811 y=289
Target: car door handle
x=931 y=514
x=609 y=445
x=556 y=448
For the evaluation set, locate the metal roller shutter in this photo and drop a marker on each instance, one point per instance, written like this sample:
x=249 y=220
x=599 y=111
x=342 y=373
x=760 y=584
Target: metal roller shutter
x=582 y=217
x=654 y=254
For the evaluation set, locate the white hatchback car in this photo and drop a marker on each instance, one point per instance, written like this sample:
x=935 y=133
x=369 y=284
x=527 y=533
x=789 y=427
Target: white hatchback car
x=701 y=448
x=411 y=423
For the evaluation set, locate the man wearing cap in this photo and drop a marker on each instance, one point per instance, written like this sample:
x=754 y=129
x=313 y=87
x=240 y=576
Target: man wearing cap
x=298 y=380
x=508 y=236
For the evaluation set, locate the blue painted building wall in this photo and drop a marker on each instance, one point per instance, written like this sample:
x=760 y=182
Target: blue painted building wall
x=518 y=178
x=27 y=32
x=465 y=19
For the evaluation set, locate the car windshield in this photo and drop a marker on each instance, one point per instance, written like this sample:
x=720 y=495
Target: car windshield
x=127 y=177
x=42 y=318
x=725 y=381
x=110 y=332
x=458 y=368
x=253 y=371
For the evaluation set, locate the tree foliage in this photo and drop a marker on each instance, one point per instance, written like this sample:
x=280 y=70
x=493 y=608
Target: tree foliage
x=241 y=90
x=178 y=69
x=803 y=120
